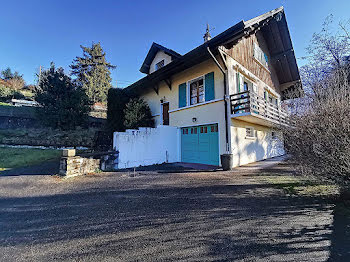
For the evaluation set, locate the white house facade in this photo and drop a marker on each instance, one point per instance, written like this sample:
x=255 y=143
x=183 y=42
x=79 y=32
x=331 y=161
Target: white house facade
x=223 y=97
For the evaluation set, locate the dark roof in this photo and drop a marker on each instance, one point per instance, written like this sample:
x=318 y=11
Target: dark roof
x=152 y=53
x=275 y=32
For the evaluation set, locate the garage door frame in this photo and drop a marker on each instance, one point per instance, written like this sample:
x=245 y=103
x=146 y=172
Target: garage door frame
x=199 y=125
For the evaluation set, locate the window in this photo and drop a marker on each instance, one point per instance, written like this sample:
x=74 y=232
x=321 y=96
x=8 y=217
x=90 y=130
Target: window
x=255 y=89
x=260 y=55
x=250 y=132
x=197 y=91
x=245 y=86
x=160 y=64
x=273 y=135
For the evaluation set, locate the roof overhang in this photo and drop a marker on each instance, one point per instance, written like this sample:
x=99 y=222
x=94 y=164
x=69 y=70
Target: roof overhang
x=195 y=56
x=155 y=48
x=274 y=28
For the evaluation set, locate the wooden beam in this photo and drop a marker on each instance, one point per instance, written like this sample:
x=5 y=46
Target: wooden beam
x=156 y=89
x=168 y=82
x=285 y=86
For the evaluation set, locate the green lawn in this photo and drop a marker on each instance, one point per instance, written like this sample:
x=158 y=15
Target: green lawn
x=19 y=157
x=4 y=104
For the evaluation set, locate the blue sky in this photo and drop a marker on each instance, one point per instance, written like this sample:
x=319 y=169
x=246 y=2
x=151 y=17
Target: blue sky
x=34 y=33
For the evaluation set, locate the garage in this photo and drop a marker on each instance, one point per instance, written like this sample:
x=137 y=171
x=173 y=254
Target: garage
x=200 y=144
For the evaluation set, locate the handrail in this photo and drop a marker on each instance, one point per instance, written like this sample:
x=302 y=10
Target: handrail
x=249 y=102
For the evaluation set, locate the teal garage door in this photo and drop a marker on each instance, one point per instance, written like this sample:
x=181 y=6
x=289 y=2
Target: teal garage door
x=200 y=144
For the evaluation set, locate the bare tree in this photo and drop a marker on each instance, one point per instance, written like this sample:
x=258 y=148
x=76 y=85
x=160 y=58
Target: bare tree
x=319 y=139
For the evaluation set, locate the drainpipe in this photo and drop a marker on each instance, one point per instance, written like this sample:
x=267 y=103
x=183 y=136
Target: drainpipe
x=228 y=146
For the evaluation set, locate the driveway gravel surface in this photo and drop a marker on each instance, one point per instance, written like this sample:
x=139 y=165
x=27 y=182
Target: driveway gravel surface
x=158 y=216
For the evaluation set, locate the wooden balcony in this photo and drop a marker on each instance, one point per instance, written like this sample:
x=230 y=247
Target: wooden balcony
x=250 y=107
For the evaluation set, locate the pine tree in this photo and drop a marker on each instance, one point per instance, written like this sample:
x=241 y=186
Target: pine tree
x=92 y=73
x=63 y=105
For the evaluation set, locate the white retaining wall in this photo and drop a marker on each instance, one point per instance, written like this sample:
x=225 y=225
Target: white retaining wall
x=147 y=146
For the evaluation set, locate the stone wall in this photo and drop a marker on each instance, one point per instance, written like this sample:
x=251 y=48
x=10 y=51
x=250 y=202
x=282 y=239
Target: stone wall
x=76 y=166
x=10 y=122
x=72 y=165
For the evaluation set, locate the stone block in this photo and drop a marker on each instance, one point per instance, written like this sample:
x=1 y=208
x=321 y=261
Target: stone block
x=68 y=152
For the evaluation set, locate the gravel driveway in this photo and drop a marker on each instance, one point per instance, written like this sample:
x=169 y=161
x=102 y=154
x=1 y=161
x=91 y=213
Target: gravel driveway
x=150 y=216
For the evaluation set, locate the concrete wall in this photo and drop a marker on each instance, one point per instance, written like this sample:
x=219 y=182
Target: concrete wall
x=147 y=146
x=247 y=150
x=159 y=57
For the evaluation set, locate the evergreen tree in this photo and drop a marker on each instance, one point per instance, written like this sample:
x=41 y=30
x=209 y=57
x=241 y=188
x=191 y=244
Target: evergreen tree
x=92 y=73
x=64 y=105
x=137 y=114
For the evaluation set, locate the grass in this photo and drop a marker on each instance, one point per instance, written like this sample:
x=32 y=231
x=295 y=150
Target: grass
x=307 y=187
x=20 y=157
x=301 y=186
x=5 y=104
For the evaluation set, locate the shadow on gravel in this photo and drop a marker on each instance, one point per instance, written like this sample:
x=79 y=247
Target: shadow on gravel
x=222 y=222
x=171 y=168
x=45 y=168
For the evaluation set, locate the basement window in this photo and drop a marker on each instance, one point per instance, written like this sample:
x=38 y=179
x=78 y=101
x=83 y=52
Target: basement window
x=273 y=135
x=160 y=64
x=250 y=132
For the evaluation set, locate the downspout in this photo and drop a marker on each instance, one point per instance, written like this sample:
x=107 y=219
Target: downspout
x=228 y=146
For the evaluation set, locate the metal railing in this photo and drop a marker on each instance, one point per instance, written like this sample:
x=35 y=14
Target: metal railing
x=249 y=102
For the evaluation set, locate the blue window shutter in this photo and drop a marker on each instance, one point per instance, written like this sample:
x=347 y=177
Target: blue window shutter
x=266 y=58
x=209 y=86
x=182 y=95
x=238 y=83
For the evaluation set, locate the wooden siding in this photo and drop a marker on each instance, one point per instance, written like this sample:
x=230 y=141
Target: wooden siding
x=243 y=52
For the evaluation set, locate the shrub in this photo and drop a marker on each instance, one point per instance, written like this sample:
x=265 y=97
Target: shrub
x=64 y=106
x=320 y=139
x=7 y=93
x=137 y=114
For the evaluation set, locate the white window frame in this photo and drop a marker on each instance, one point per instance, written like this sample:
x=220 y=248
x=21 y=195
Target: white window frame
x=253 y=131
x=259 y=55
x=189 y=82
x=251 y=85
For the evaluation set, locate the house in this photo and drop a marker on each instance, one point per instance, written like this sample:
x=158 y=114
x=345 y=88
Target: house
x=223 y=97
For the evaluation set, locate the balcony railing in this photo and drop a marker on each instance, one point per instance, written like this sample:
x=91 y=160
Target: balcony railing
x=249 y=103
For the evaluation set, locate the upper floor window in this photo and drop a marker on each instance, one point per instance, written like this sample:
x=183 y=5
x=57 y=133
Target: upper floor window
x=197 y=91
x=245 y=86
x=270 y=98
x=160 y=64
x=260 y=55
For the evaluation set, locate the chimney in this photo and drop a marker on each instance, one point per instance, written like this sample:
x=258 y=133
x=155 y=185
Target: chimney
x=207 y=35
